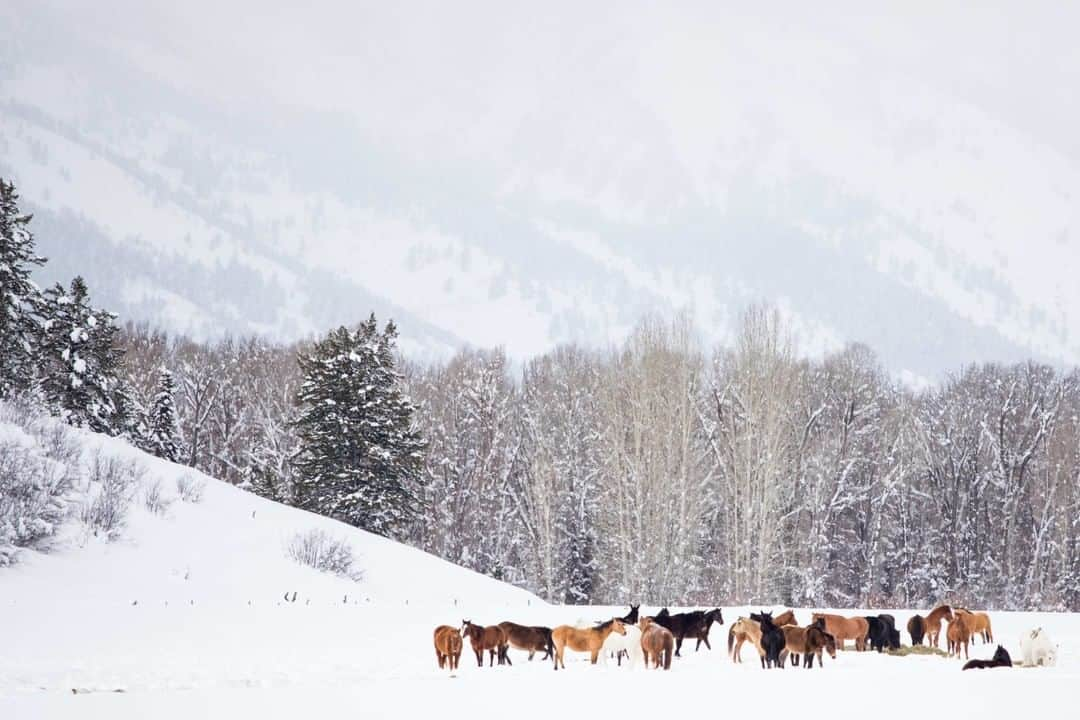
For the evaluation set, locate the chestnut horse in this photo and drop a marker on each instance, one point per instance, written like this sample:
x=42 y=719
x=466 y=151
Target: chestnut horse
x=842 y=628
x=979 y=624
x=656 y=641
x=447 y=646
x=809 y=641
x=932 y=623
x=491 y=638
x=785 y=618
x=740 y=631
x=588 y=640
x=959 y=633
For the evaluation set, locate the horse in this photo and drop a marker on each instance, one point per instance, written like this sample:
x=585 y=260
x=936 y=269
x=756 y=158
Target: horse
x=979 y=622
x=785 y=618
x=877 y=632
x=933 y=623
x=809 y=641
x=534 y=638
x=1037 y=648
x=916 y=627
x=447 y=646
x=628 y=644
x=843 y=628
x=959 y=633
x=693 y=624
x=491 y=638
x=656 y=643
x=741 y=630
x=1001 y=659
x=588 y=640
x=631 y=617
x=772 y=640
x=712 y=616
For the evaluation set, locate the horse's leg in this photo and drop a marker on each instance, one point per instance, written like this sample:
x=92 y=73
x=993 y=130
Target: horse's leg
x=479 y=655
x=705 y=639
x=678 y=645
x=531 y=653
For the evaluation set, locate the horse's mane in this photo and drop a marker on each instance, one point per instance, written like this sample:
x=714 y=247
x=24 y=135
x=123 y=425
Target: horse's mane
x=604 y=625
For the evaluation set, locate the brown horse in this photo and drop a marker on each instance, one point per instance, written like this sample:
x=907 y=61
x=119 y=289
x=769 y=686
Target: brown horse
x=932 y=623
x=740 y=631
x=959 y=633
x=842 y=628
x=588 y=640
x=916 y=627
x=531 y=638
x=491 y=638
x=979 y=624
x=656 y=641
x=785 y=618
x=447 y=646
x=809 y=641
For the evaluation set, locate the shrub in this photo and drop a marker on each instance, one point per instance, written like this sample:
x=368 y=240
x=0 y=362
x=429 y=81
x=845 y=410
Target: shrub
x=154 y=498
x=317 y=549
x=111 y=489
x=38 y=468
x=190 y=489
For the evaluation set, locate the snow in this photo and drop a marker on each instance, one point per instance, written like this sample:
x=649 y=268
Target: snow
x=185 y=617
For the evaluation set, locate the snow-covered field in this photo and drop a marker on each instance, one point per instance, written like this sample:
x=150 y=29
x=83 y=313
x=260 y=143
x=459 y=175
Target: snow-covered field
x=186 y=617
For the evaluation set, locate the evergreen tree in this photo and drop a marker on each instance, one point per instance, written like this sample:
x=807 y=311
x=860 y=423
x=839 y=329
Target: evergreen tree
x=360 y=456
x=79 y=359
x=19 y=296
x=163 y=434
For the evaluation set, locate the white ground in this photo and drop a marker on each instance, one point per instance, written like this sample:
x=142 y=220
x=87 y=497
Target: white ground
x=186 y=617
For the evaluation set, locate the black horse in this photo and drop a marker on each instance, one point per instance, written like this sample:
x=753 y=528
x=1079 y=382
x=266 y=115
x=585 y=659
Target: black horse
x=772 y=640
x=1001 y=659
x=693 y=624
x=631 y=617
x=882 y=632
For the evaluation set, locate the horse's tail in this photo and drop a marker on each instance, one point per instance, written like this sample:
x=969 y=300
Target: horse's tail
x=731 y=639
x=550 y=646
x=667 y=655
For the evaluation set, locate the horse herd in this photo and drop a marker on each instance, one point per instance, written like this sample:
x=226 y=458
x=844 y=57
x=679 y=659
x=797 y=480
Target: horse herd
x=656 y=639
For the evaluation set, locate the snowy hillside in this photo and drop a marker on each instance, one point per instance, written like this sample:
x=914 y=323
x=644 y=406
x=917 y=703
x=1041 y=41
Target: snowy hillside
x=653 y=163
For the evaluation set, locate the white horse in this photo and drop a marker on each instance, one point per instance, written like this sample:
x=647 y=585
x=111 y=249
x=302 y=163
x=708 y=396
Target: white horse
x=630 y=642
x=1037 y=648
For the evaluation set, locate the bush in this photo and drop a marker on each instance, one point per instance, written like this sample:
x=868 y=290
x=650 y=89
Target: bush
x=317 y=549
x=111 y=484
x=154 y=499
x=38 y=468
x=190 y=489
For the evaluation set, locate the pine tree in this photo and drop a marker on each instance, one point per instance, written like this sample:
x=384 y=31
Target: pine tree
x=80 y=359
x=360 y=456
x=19 y=296
x=163 y=433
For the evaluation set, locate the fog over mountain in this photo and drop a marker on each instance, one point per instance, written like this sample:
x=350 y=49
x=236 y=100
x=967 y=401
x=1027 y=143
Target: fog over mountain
x=495 y=176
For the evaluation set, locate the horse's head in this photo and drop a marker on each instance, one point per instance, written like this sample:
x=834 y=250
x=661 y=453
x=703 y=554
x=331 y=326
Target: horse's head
x=764 y=618
x=617 y=626
x=949 y=614
x=1001 y=655
x=466 y=626
x=663 y=613
x=830 y=644
x=715 y=615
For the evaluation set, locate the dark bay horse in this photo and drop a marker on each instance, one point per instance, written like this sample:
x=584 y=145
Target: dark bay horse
x=809 y=642
x=916 y=627
x=532 y=638
x=695 y=624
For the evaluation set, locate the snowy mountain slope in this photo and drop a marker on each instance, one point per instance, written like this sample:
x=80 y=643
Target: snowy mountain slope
x=228 y=550
x=658 y=161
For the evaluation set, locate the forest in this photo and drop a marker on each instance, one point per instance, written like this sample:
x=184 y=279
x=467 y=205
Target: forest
x=663 y=472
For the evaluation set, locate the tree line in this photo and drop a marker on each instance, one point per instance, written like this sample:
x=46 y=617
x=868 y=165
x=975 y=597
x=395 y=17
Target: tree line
x=658 y=470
